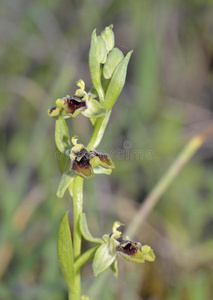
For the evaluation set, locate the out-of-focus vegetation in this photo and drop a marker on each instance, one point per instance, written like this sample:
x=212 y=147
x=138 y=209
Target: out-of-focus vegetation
x=166 y=100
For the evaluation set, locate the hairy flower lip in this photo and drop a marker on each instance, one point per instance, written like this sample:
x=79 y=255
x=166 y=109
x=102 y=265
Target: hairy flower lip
x=82 y=168
x=73 y=104
x=128 y=247
x=84 y=161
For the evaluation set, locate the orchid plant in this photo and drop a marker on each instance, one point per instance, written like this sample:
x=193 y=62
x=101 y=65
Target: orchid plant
x=108 y=68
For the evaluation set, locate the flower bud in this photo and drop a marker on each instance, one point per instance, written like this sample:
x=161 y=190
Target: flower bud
x=97 y=55
x=101 y=50
x=108 y=36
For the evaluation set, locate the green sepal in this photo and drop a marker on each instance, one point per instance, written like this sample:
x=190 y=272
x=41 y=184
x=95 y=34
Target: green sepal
x=94 y=66
x=62 y=139
x=114 y=267
x=94 y=109
x=103 y=259
x=109 y=38
x=65 y=252
x=85 y=230
x=100 y=170
x=117 y=82
x=64 y=183
x=113 y=60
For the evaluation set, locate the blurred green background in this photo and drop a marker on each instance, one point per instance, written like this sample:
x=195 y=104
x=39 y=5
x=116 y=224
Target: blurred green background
x=166 y=100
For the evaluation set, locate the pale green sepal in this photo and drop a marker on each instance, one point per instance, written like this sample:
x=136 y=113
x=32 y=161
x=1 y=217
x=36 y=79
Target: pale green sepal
x=94 y=109
x=64 y=183
x=148 y=253
x=65 y=252
x=114 y=267
x=103 y=259
x=108 y=36
x=113 y=60
x=100 y=170
x=117 y=82
x=62 y=139
x=85 y=230
x=94 y=66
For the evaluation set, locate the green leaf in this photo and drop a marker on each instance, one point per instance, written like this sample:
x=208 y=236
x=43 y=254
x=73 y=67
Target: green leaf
x=113 y=60
x=85 y=230
x=66 y=180
x=65 y=252
x=94 y=109
x=103 y=259
x=117 y=82
x=62 y=139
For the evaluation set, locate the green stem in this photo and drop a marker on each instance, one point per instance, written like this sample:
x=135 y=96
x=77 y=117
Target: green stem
x=77 y=199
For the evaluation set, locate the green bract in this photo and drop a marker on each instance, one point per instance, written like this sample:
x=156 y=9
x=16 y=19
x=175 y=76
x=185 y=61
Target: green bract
x=66 y=179
x=113 y=60
x=62 y=139
x=117 y=82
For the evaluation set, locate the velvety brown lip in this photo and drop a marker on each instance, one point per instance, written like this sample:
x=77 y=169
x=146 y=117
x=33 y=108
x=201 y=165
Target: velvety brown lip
x=75 y=103
x=129 y=248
